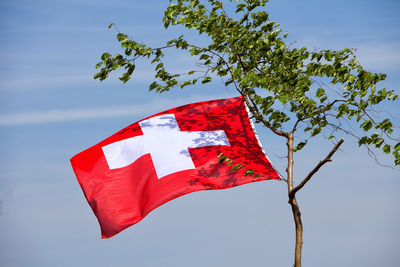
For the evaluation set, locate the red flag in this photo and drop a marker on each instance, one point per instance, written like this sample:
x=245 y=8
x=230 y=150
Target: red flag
x=167 y=155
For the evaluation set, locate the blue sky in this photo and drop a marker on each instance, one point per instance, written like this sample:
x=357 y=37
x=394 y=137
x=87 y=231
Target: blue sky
x=51 y=108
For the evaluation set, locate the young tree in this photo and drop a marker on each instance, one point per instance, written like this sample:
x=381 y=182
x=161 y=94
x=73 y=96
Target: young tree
x=283 y=86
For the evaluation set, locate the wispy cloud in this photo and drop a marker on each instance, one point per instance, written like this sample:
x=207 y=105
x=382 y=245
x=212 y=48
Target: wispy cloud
x=85 y=78
x=69 y=75
x=40 y=82
x=58 y=28
x=52 y=116
x=380 y=55
x=49 y=79
x=83 y=4
x=65 y=115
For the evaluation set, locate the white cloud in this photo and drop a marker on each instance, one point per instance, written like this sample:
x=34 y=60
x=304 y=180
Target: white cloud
x=375 y=55
x=85 y=78
x=176 y=62
x=51 y=116
x=54 y=28
x=380 y=56
x=40 y=82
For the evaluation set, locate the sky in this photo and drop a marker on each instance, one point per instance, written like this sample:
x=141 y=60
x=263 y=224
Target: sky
x=51 y=108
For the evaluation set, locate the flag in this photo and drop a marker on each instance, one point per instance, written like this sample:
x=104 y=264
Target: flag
x=167 y=155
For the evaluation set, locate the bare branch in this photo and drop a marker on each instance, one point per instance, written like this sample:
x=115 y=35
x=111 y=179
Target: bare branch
x=295 y=125
x=372 y=154
x=319 y=165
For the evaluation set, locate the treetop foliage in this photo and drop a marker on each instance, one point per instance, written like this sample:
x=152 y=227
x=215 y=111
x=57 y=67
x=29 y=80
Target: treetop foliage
x=287 y=88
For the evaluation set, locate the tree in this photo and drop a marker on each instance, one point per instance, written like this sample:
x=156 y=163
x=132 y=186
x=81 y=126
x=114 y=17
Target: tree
x=287 y=89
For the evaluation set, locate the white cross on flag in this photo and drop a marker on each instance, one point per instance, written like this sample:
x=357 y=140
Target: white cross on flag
x=167 y=155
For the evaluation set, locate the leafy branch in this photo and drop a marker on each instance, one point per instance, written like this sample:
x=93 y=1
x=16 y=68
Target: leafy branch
x=287 y=89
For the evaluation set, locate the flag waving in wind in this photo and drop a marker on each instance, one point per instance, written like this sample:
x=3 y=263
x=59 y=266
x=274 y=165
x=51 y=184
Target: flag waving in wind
x=167 y=155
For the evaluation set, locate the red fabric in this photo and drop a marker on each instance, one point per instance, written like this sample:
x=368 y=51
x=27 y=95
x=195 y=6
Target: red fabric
x=124 y=196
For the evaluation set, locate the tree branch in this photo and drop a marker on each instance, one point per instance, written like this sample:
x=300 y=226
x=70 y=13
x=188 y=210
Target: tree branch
x=257 y=114
x=320 y=164
x=295 y=125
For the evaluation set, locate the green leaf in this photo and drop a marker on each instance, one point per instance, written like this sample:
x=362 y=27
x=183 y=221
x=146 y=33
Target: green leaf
x=386 y=149
x=320 y=92
x=299 y=146
x=186 y=83
x=159 y=66
x=284 y=98
x=228 y=161
x=367 y=125
x=105 y=56
x=397 y=147
x=315 y=131
x=204 y=57
x=221 y=158
x=237 y=167
x=249 y=172
x=153 y=86
x=396 y=158
x=206 y=80
x=229 y=81
x=240 y=8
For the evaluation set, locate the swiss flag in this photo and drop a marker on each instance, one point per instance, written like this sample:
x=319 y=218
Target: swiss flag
x=167 y=155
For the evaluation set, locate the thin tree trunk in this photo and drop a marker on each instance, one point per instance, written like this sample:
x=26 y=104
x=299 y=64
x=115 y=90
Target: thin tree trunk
x=299 y=232
x=293 y=204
